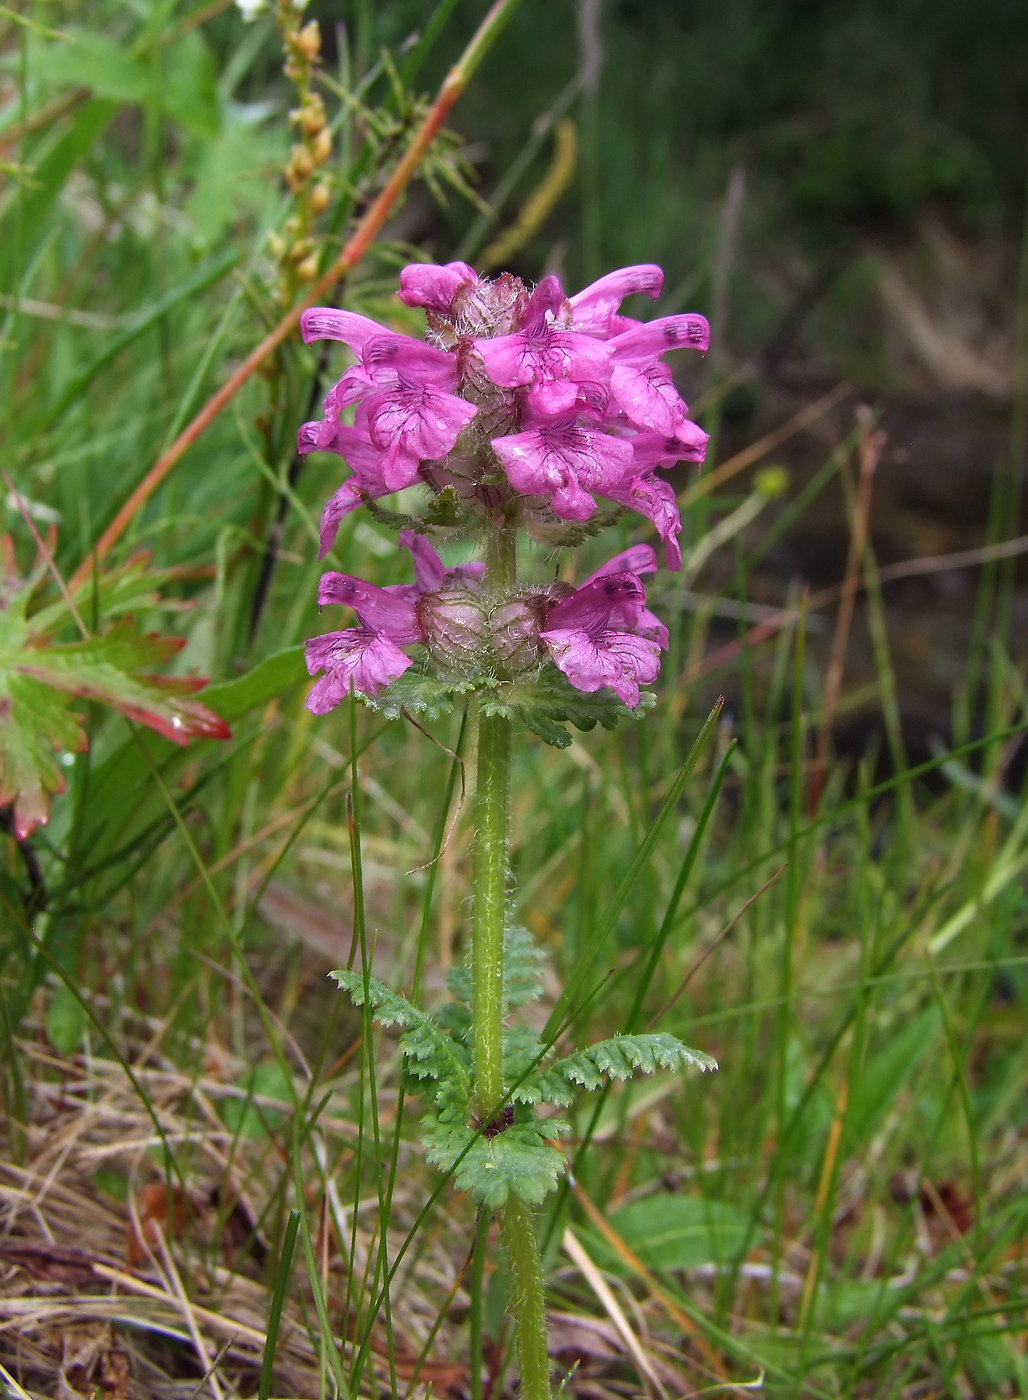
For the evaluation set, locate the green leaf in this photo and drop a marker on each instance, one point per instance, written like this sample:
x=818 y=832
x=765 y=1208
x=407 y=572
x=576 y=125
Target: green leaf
x=681 y=1232
x=884 y=1075
x=517 y=1159
x=430 y=1052
x=112 y=668
x=548 y=701
x=257 y=1120
x=190 y=86
x=94 y=61
x=418 y=693
x=65 y=1020
x=624 y=1055
x=269 y=678
x=38 y=679
x=34 y=722
x=522 y=970
x=49 y=178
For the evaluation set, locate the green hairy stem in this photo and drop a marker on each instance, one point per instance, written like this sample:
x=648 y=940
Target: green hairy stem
x=490 y=872
x=492 y=822
x=528 y=1299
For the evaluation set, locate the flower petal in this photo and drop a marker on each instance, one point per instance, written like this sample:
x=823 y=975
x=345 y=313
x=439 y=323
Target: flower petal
x=415 y=423
x=434 y=287
x=356 y=659
x=378 y=608
x=348 y=498
x=612 y=599
x=656 y=500
x=595 y=307
x=591 y=660
x=429 y=569
x=650 y=340
x=565 y=462
x=648 y=397
x=637 y=559
x=326 y=323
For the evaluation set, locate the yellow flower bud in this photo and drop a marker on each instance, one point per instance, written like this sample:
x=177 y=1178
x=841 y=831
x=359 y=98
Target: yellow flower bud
x=308 y=41
x=320 y=198
x=321 y=147
x=312 y=116
x=308 y=269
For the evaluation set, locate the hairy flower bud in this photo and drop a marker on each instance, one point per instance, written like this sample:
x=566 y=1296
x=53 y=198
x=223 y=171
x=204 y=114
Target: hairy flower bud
x=455 y=629
x=514 y=628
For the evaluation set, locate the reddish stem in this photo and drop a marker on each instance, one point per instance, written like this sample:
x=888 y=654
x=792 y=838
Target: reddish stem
x=363 y=236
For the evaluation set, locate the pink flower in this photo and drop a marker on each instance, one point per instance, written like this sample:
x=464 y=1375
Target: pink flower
x=403 y=385
x=648 y=397
x=688 y=444
x=361 y=455
x=550 y=361
x=603 y=634
x=651 y=339
x=594 y=308
x=656 y=500
x=440 y=610
x=433 y=287
x=357 y=659
x=566 y=462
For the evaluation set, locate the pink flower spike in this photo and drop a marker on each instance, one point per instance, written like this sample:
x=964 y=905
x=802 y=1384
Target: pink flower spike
x=434 y=287
x=356 y=659
x=595 y=307
x=650 y=340
x=383 y=610
x=564 y=462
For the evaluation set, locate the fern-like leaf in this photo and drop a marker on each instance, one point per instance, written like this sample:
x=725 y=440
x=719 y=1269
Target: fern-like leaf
x=522 y=971
x=430 y=1052
x=625 y=1055
x=516 y=1160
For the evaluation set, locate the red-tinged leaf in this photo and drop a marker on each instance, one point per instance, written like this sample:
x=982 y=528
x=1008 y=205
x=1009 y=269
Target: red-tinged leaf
x=110 y=668
x=34 y=722
x=38 y=680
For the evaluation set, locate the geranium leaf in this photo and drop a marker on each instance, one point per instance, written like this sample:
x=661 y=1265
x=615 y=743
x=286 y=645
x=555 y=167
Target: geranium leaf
x=39 y=678
x=112 y=668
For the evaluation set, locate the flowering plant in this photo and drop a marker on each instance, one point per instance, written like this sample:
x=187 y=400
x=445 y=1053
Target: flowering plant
x=516 y=413
x=519 y=409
